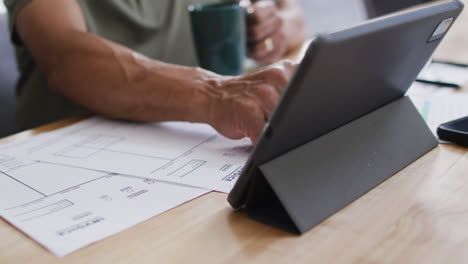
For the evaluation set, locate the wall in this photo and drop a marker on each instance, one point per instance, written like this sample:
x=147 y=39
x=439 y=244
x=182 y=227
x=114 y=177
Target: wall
x=8 y=75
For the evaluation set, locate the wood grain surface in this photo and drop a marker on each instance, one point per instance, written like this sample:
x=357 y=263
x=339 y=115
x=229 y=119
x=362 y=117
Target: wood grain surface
x=418 y=216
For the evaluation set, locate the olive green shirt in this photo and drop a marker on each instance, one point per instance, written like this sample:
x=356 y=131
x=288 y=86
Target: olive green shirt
x=159 y=29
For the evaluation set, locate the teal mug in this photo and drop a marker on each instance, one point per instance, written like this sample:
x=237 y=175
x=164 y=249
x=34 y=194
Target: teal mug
x=220 y=35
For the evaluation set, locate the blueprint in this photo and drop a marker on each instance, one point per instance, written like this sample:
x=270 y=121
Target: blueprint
x=177 y=152
x=65 y=208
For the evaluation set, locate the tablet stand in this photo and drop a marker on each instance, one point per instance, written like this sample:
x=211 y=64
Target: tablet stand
x=301 y=188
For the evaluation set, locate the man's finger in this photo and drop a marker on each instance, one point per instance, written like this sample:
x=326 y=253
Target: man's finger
x=253 y=119
x=259 y=32
x=261 y=53
x=275 y=55
x=279 y=75
x=260 y=50
x=268 y=97
x=255 y=129
x=261 y=11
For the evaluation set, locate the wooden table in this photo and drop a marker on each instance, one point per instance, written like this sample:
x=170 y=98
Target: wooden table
x=418 y=216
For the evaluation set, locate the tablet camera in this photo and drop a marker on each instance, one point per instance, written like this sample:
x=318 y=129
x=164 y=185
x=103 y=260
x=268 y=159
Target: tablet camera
x=441 y=29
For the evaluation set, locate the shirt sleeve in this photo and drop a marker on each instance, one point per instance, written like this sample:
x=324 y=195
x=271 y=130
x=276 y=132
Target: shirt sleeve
x=14 y=7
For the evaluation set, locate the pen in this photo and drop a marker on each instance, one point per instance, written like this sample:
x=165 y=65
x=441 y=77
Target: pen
x=451 y=63
x=439 y=83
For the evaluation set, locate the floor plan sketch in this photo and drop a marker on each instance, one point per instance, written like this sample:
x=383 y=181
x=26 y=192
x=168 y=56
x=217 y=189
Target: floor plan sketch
x=66 y=208
x=178 y=152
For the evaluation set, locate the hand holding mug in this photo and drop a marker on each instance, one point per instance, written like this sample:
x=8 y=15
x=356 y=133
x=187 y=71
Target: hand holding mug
x=266 y=33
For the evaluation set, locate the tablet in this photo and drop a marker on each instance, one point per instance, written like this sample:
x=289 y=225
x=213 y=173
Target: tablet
x=346 y=75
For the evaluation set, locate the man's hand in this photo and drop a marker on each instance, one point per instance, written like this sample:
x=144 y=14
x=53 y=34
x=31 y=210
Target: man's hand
x=112 y=80
x=274 y=29
x=241 y=106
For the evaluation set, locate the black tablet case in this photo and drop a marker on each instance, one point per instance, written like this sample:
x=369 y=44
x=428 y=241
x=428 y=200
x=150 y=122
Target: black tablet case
x=343 y=125
x=301 y=188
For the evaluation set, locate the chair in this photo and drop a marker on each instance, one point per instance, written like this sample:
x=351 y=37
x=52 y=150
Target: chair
x=8 y=77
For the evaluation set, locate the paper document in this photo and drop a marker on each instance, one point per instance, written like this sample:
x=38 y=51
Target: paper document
x=444 y=73
x=441 y=109
x=424 y=90
x=65 y=208
x=178 y=152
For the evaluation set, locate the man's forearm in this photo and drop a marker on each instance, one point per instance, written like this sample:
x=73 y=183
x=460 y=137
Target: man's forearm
x=117 y=82
x=104 y=76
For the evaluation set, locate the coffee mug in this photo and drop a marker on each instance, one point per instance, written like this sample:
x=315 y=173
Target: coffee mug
x=220 y=35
